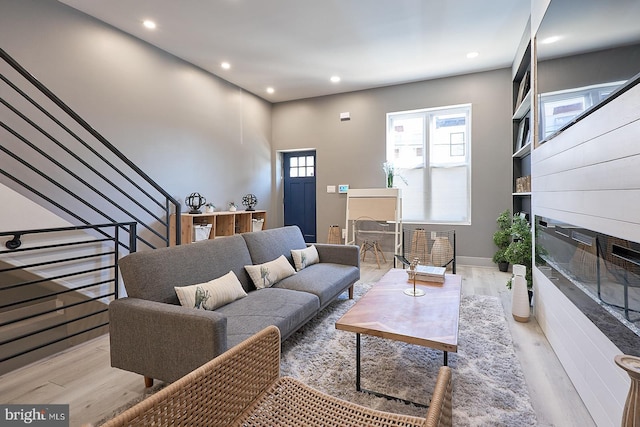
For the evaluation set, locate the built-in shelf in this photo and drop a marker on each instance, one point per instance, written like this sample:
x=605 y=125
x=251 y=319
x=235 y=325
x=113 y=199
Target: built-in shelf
x=523 y=108
x=523 y=151
x=224 y=223
x=521 y=124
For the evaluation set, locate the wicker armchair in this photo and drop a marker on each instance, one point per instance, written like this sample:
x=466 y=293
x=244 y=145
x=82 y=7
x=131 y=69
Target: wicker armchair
x=243 y=387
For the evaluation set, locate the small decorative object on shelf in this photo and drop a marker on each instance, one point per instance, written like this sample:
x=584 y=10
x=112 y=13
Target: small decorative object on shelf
x=195 y=201
x=232 y=207
x=523 y=184
x=412 y=276
x=250 y=201
x=209 y=208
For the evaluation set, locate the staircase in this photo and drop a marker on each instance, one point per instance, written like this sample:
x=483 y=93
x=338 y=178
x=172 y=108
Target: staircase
x=56 y=284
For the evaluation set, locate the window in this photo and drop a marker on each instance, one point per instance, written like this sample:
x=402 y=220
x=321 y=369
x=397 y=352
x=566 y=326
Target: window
x=430 y=149
x=301 y=166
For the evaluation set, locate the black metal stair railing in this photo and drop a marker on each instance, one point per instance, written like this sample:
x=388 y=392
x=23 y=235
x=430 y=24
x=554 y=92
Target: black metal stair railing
x=53 y=156
x=59 y=290
x=55 y=288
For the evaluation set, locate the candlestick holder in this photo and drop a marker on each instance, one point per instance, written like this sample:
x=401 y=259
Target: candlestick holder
x=413 y=292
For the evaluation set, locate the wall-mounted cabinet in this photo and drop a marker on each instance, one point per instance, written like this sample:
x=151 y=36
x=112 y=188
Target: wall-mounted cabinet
x=522 y=132
x=216 y=224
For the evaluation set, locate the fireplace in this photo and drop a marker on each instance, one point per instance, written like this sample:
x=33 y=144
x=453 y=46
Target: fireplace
x=599 y=274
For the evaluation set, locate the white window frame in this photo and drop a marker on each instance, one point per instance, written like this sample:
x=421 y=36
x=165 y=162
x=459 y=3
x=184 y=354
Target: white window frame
x=420 y=202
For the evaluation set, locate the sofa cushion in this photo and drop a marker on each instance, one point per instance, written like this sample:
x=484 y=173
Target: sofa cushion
x=284 y=308
x=305 y=257
x=267 y=274
x=267 y=245
x=326 y=280
x=212 y=294
x=153 y=274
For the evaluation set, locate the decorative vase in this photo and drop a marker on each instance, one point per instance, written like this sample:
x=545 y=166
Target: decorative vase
x=389 y=181
x=520 y=308
x=441 y=252
x=419 y=248
x=631 y=413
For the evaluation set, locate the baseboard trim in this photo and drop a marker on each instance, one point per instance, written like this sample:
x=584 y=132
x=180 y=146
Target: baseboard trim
x=475 y=261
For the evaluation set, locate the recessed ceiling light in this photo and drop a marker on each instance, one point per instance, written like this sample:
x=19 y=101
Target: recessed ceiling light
x=270 y=90
x=551 y=39
x=471 y=55
x=149 y=24
x=225 y=65
x=335 y=79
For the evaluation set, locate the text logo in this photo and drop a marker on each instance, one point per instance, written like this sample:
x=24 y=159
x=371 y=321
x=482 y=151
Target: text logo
x=34 y=415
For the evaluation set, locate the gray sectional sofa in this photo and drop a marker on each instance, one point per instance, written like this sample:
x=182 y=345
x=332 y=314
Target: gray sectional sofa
x=153 y=335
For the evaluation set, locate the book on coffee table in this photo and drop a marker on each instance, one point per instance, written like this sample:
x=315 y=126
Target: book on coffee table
x=430 y=273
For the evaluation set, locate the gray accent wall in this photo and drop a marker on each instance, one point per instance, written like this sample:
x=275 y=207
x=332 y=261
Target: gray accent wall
x=186 y=128
x=352 y=152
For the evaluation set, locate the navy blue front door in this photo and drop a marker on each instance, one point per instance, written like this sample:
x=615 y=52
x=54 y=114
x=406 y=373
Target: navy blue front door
x=300 y=192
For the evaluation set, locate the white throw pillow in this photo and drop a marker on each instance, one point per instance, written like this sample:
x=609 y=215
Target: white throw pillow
x=212 y=294
x=267 y=274
x=305 y=257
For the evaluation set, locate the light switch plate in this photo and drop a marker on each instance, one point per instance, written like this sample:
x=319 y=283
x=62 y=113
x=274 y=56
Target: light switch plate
x=331 y=188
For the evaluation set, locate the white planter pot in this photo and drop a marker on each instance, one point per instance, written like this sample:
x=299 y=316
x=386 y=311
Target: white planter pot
x=519 y=295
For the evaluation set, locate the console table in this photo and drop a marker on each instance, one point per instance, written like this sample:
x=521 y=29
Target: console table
x=225 y=223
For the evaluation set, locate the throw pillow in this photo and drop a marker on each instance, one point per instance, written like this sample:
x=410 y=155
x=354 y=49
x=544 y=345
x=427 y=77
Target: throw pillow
x=212 y=294
x=305 y=257
x=267 y=274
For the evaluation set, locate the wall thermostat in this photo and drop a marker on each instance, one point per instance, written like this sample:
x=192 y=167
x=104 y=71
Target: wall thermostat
x=342 y=188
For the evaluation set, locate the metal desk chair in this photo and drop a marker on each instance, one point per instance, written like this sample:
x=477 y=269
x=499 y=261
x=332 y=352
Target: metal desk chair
x=370 y=234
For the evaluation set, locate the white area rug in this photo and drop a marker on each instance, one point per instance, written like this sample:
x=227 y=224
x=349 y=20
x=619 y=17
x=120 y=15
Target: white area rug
x=488 y=384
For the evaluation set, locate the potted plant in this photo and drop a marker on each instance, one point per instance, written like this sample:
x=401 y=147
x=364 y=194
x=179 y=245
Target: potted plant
x=502 y=239
x=519 y=250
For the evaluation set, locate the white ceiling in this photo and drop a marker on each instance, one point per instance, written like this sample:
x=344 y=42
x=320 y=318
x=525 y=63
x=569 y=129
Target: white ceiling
x=295 y=46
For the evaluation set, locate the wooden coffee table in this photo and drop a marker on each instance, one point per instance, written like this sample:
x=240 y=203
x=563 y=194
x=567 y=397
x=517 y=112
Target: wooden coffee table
x=385 y=311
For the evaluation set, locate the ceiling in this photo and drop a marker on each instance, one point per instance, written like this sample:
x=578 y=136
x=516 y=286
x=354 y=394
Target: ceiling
x=295 y=46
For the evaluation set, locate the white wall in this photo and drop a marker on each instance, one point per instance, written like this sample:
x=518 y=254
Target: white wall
x=20 y=213
x=588 y=176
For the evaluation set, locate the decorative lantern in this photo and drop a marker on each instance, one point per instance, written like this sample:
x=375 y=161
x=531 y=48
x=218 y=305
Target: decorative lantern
x=195 y=201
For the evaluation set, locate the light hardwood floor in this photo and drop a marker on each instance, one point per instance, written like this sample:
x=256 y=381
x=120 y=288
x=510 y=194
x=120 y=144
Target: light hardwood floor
x=82 y=376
